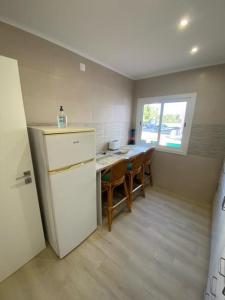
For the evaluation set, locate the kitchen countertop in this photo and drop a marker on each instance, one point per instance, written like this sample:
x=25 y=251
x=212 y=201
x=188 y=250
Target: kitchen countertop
x=105 y=160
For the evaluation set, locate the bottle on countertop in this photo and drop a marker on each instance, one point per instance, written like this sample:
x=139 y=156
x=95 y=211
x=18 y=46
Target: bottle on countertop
x=62 y=118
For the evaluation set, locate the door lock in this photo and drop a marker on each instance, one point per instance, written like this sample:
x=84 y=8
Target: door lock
x=28 y=180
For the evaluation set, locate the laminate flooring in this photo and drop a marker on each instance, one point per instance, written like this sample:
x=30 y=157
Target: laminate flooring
x=160 y=251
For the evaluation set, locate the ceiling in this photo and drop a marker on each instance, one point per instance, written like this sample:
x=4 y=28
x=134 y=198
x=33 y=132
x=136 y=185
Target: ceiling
x=137 y=38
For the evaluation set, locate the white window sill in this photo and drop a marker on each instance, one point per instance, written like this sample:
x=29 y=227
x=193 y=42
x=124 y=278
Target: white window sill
x=165 y=149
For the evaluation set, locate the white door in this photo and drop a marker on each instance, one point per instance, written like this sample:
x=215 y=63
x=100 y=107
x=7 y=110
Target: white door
x=216 y=282
x=221 y=276
x=21 y=233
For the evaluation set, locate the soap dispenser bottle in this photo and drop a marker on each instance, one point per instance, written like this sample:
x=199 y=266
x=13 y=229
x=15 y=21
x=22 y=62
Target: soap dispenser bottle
x=62 y=118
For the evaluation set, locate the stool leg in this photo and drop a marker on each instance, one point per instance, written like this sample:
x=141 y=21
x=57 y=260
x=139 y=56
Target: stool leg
x=131 y=180
x=143 y=181
x=127 y=195
x=109 y=208
x=150 y=175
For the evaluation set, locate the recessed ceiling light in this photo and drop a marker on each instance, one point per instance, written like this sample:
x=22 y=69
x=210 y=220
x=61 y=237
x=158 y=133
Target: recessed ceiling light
x=194 y=50
x=183 y=23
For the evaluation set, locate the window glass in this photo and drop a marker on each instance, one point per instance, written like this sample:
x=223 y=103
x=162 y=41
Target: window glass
x=171 y=129
x=150 y=123
x=165 y=122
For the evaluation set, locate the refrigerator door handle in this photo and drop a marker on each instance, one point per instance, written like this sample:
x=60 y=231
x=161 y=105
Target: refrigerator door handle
x=68 y=168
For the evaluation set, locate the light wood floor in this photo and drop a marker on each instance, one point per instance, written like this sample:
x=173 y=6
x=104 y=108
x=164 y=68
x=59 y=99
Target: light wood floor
x=158 y=252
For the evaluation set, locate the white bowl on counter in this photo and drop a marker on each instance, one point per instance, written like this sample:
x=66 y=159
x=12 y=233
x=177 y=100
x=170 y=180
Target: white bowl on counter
x=124 y=150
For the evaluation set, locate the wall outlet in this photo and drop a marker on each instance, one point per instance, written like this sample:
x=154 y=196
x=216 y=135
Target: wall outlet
x=82 y=67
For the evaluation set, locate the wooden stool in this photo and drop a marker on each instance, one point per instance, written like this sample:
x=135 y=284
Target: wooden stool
x=111 y=178
x=147 y=164
x=135 y=167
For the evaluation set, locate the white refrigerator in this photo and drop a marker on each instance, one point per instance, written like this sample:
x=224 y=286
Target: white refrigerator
x=64 y=162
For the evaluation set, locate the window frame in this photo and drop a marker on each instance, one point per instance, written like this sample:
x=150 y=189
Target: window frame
x=191 y=101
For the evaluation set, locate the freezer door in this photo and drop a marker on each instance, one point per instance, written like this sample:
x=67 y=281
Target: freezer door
x=74 y=205
x=69 y=148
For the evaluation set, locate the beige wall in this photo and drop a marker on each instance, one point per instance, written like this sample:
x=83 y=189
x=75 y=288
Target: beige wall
x=50 y=76
x=101 y=98
x=194 y=175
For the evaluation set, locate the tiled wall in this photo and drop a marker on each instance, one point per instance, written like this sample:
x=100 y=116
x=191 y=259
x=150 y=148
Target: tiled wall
x=105 y=132
x=109 y=131
x=207 y=140
x=50 y=77
x=194 y=175
x=100 y=98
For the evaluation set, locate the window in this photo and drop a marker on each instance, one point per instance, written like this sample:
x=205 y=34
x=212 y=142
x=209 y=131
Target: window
x=165 y=122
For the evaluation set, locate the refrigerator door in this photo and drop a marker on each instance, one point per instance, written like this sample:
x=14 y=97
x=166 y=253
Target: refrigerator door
x=74 y=205
x=69 y=149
